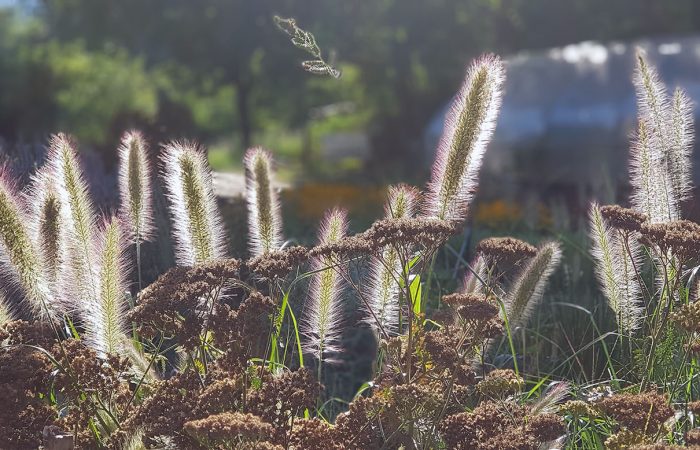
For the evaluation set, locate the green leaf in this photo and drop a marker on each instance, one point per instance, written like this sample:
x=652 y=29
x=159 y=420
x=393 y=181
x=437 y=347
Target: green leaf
x=416 y=292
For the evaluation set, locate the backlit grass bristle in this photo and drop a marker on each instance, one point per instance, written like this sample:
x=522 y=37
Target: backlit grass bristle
x=469 y=125
x=660 y=155
x=105 y=319
x=615 y=271
x=197 y=227
x=20 y=258
x=80 y=283
x=46 y=226
x=135 y=186
x=6 y=311
x=322 y=314
x=264 y=221
x=529 y=287
x=386 y=270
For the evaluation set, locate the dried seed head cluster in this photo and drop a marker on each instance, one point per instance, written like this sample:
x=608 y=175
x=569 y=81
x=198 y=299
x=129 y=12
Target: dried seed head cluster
x=228 y=428
x=242 y=333
x=24 y=374
x=313 y=434
x=623 y=218
x=500 y=425
x=472 y=306
x=644 y=413
x=278 y=263
x=178 y=294
x=687 y=317
x=500 y=383
x=505 y=250
x=681 y=237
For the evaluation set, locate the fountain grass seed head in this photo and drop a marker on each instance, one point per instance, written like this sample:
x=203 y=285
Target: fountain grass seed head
x=386 y=270
x=528 y=288
x=469 y=125
x=135 y=187
x=197 y=227
x=323 y=311
x=19 y=258
x=104 y=322
x=80 y=283
x=614 y=268
x=660 y=154
x=264 y=220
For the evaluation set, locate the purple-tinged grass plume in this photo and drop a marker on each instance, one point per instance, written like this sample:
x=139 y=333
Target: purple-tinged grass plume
x=80 y=283
x=104 y=321
x=614 y=268
x=387 y=270
x=197 y=227
x=46 y=227
x=135 y=187
x=528 y=288
x=469 y=125
x=660 y=156
x=322 y=314
x=19 y=258
x=264 y=221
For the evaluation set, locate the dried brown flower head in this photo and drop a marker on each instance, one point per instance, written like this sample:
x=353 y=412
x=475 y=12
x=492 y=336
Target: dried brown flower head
x=313 y=434
x=472 y=306
x=546 y=427
x=505 y=250
x=229 y=427
x=681 y=237
x=687 y=317
x=500 y=383
x=278 y=263
x=490 y=426
x=625 y=439
x=172 y=303
x=577 y=408
x=692 y=437
x=644 y=413
x=623 y=218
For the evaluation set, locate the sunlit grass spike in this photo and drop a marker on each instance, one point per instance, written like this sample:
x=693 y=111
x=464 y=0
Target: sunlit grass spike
x=265 y=223
x=386 y=270
x=469 y=125
x=105 y=320
x=197 y=226
x=529 y=287
x=135 y=186
x=19 y=259
x=322 y=315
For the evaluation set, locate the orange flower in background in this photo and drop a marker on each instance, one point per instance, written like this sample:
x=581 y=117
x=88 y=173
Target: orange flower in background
x=311 y=200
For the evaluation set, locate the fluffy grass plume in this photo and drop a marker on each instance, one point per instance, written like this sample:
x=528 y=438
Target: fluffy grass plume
x=135 y=187
x=6 y=312
x=264 y=220
x=80 y=283
x=387 y=270
x=322 y=314
x=197 y=227
x=474 y=277
x=46 y=226
x=105 y=320
x=681 y=144
x=20 y=259
x=660 y=157
x=529 y=287
x=615 y=270
x=469 y=125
